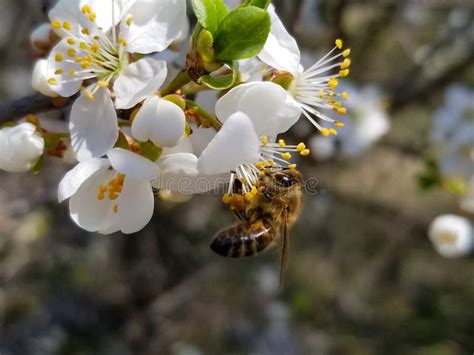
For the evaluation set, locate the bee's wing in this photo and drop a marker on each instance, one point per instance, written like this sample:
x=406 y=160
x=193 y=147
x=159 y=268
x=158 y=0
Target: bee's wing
x=286 y=246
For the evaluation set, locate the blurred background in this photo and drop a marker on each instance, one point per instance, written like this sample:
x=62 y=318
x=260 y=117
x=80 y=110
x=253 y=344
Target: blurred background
x=363 y=277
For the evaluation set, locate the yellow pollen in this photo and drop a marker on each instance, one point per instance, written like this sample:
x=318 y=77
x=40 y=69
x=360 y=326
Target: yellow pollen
x=113 y=196
x=342 y=110
x=95 y=47
x=271 y=162
x=344 y=73
x=102 y=83
x=85 y=64
x=71 y=52
x=52 y=81
x=56 y=24
x=282 y=143
x=59 y=57
x=59 y=72
x=254 y=190
x=227 y=199
x=130 y=21
x=346 y=53
x=292 y=166
x=115 y=208
x=264 y=140
x=260 y=165
x=67 y=26
x=339 y=43
x=339 y=124
x=101 y=196
x=321 y=93
x=305 y=152
x=346 y=63
x=72 y=72
x=122 y=42
x=84 y=46
x=86 y=9
x=85 y=31
x=71 y=41
x=301 y=147
x=249 y=196
x=333 y=132
x=345 y=95
x=332 y=83
x=89 y=95
x=92 y=17
x=286 y=156
x=325 y=132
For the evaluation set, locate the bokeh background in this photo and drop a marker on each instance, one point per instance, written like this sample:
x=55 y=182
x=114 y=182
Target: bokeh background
x=363 y=277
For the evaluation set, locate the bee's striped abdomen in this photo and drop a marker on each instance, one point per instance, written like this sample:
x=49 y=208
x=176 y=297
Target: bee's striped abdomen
x=244 y=239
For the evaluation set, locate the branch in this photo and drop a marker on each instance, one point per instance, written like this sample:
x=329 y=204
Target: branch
x=17 y=109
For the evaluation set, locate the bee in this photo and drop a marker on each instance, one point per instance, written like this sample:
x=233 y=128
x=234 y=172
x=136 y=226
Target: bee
x=264 y=219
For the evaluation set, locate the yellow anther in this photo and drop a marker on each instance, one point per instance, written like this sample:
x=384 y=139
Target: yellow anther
x=67 y=26
x=71 y=52
x=130 y=21
x=292 y=166
x=249 y=196
x=271 y=162
x=89 y=95
x=339 y=124
x=86 y=9
x=102 y=188
x=95 y=47
x=71 y=41
x=72 y=72
x=85 y=64
x=59 y=72
x=346 y=53
x=333 y=132
x=92 y=17
x=254 y=191
x=101 y=196
x=305 y=152
x=53 y=81
x=84 y=46
x=102 y=83
x=96 y=38
x=282 y=143
x=56 y=24
x=332 y=83
x=345 y=95
x=227 y=199
x=344 y=73
x=122 y=42
x=346 y=63
x=286 y=156
x=301 y=147
x=113 y=196
x=121 y=179
x=264 y=140
x=321 y=93
x=85 y=31
x=325 y=132
x=339 y=43
x=115 y=208
x=59 y=57
x=342 y=110
x=260 y=165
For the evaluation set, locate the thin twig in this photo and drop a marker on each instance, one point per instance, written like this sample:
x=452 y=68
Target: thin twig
x=16 y=109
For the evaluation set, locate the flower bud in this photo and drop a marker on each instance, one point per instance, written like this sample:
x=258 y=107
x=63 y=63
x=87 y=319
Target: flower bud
x=41 y=38
x=40 y=79
x=21 y=147
x=452 y=236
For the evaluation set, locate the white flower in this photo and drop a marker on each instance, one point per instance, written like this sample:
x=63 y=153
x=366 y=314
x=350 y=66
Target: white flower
x=41 y=37
x=21 y=147
x=110 y=195
x=452 y=236
x=159 y=121
x=242 y=148
x=368 y=120
x=93 y=48
x=39 y=80
x=312 y=89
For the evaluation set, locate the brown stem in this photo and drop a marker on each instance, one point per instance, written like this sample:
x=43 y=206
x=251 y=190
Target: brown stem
x=17 y=109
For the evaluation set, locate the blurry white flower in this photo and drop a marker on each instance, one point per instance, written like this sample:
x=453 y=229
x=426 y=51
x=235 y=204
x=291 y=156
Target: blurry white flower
x=322 y=148
x=110 y=195
x=40 y=79
x=41 y=37
x=452 y=236
x=93 y=48
x=21 y=147
x=159 y=121
x=312 y=89
x=368 y=120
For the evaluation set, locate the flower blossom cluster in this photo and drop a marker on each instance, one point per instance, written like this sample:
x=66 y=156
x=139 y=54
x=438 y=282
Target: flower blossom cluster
x=135 y=129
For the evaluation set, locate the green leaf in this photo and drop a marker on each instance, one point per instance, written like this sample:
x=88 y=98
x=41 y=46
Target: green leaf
x=220 y=82
x=263 y=4
x=242 y=34
x=210 y=13
x=150 y=151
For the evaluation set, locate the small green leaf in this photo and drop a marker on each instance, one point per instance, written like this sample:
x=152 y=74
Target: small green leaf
x=263 y=4
x=220 y=82
x=122 y=142
x=210 y=13
x=242 y=34
x=38 y=166
x=150 y=151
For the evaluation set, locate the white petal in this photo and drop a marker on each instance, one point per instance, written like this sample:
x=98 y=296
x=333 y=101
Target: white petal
x=138 y=81
x=93 y=125
x=70 y=11
x=228 y=104
x=103 y=10
x=235 y=144
x=452 y=235
x=39 y=80
x=155 y=25
x=281 y=49
x=76 y=177
x=201 y=138
x=160 y=121
x=136 y=205
x=132 y=165
x=86 y=210
x=184 y=146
